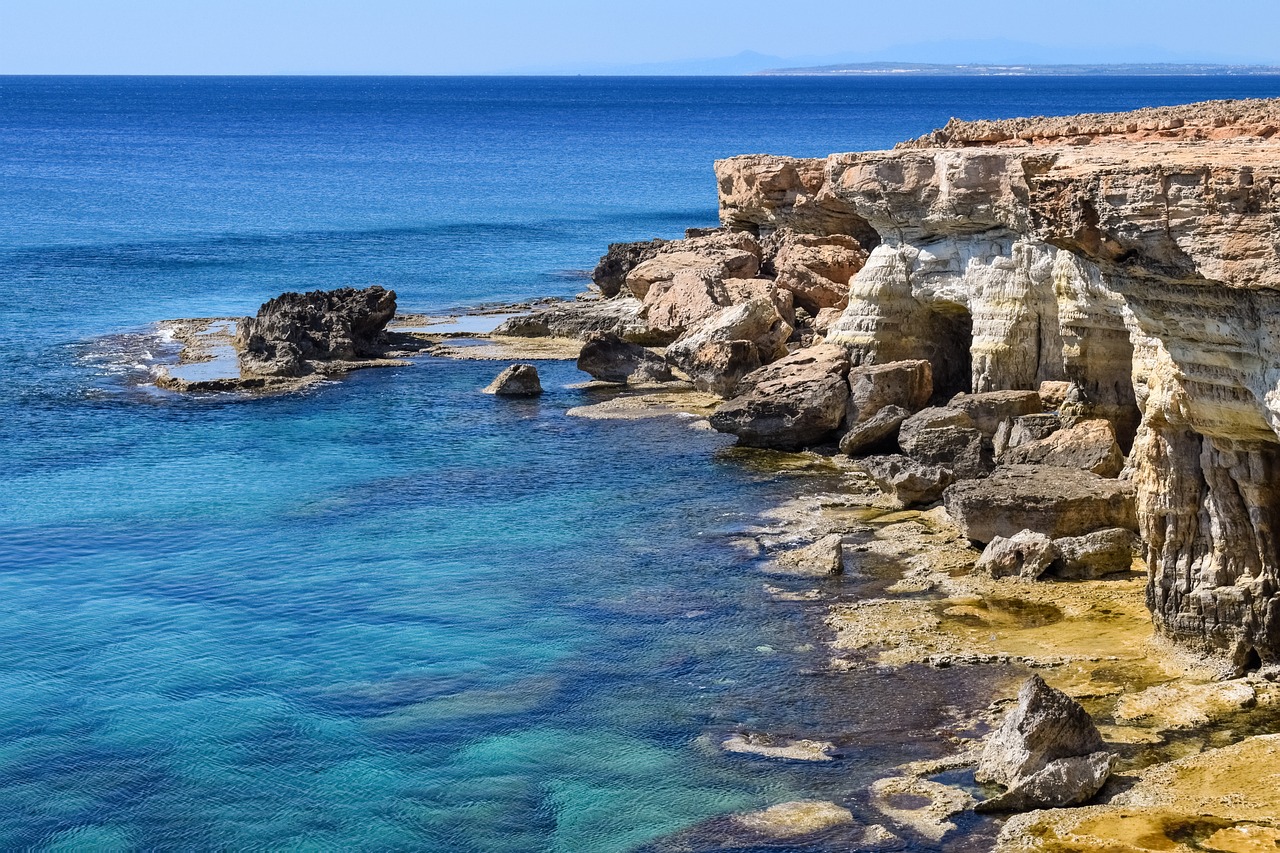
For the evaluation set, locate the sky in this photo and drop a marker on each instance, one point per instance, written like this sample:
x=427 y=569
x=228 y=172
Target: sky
x=604 y=36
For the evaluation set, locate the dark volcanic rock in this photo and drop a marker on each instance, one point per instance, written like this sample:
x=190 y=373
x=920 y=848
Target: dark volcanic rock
x=323 y=325
x=621 y=258
x=518 y=380
x=609 y=358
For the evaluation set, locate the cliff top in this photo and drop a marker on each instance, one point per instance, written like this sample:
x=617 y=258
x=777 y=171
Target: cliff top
x=1208 y=120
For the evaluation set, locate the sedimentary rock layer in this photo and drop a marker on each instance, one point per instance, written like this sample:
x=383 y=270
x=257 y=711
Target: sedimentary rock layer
x=1136 y=257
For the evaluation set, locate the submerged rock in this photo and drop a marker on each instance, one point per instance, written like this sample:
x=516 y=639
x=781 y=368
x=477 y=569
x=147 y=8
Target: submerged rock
x=797 y=401
x=768 y=747
x=925 y=806
x=609 y=358
x=824 y=557
x=294 y=329
x=518 y=380
x=795 y=819
x=1047 y=753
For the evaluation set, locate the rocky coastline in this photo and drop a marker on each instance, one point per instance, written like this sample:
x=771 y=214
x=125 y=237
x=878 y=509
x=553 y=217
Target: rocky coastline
x=1043 y=355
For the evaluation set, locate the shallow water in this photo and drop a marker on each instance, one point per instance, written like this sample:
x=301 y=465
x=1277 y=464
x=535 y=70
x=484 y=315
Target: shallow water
x=392 y=612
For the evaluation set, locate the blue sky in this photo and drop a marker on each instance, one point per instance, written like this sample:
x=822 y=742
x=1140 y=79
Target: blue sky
x=575 y=36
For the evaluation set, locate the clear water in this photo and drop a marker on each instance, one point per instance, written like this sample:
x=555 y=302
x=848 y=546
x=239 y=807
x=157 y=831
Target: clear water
x=392 y=612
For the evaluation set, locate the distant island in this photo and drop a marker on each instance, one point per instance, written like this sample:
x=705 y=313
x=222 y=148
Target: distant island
x=922 y=69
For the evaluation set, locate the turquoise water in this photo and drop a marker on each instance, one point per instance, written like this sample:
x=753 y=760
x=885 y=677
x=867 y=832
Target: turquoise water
x=392 y=613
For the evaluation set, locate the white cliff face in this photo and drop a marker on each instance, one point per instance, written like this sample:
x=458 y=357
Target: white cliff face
x=1147 y=273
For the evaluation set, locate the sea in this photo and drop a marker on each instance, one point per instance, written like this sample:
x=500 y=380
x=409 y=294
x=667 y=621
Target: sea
x=391 y=612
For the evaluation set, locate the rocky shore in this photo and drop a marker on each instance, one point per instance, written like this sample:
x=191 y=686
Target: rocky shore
x=1044 y=354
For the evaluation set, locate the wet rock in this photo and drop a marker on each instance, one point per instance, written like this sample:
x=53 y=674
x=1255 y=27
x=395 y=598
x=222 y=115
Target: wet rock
x=824 y=557
x=1058 y=502
x=1095 y=555
x=795 y=819
x=1024 y=430
x=1026 y=554
x=905 y=384
x=518 y=380
x=611 y=272
x=768 y=747
x=947 y=438
x=912 y=483
x=324 y=325
x=1047 y=753
x=797 y=401
x=724 y=347
x=925 y=806
x=1088 y=445
x=992 y=408
x=609 y=358
x=879 y=429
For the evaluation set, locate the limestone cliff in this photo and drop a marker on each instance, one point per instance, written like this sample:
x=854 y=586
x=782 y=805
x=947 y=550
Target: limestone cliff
x=1135 y=256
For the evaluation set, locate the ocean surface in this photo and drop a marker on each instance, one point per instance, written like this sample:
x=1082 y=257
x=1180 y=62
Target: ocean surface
x=392 y=613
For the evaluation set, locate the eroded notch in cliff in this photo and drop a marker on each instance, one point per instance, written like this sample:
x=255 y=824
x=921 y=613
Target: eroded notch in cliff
x=950 y=335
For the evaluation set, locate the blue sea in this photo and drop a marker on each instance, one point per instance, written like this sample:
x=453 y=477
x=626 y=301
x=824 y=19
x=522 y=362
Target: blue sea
x=391 y=612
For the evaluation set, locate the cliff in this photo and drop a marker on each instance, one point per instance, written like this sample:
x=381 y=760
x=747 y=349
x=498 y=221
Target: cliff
x=1135 y=256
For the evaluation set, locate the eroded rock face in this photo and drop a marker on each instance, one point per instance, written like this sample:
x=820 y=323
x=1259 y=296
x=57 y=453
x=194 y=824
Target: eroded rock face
x=1135 y=257
x=797 y=401
x=609 y=358
x=611 y=272
x=324 y=325
x=818 y=269
x=721 y=349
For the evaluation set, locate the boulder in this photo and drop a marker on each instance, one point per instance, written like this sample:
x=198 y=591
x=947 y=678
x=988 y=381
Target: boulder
x=738 y=290
x=1054 y=394
x=824 y=557
x=1058 y=502
x=990 y=409
x=910 y=482
x=1024 y=430
x=945 y=437
x=673 y=307
x=724 y=254
x=709 y=345
x=581 y=319
x=518 y=380
x=324 y=325
x=906 y=384
x=609 y=358
x=1094 y=555
x=816 y=268
x=795 y=402
x=1026 y=554
x=611 y=272
x=881 y=428
x=1089 y=445
x=1048 y=753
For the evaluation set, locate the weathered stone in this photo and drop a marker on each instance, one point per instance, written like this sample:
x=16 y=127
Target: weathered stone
x=922 y=804
x=945 y=437
x=1026 y=554
x=817 y=269
x=785 y=748
x=1030 y=754
x=518 y=380
x=906 y=384
x=609 y=358
x=724 y=257
x=821 y=558
x=879 y=429
x=324 y=325
x=1024 y=430
x=1095 y=555
x=724 y=347
x=1058 y=502
x=1089 y=445
x=910 y=482
x=610 y=273
x=1054 y=394
x=795 y=402
x=581 y=319
x=991 y=409
x=1184 y=706
x=673 y=307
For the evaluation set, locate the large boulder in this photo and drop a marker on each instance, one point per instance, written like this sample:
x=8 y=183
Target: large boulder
x=879 y=429
x=992 y=408
x=723 y=254
x=1027 y=554
x=518 y=380
x=945 y=437
x=797 y=401
x=1024 y=430
x=1047 y=753
x=1089 y=445
x=673 y=307
x=910 y=482
x=1095 y=555
x=580 y=319
x=906 y=384
x=817 y=269
x=724 y=347
x=611 y=272
x=1058 y=502
x=324 y=325
x=609 y=358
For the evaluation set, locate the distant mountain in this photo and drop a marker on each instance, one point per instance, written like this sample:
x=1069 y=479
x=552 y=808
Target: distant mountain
x=1157 y=69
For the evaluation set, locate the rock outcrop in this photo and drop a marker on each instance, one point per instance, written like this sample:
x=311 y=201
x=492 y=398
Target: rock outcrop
x=609 y=358
x=293 y=331
x=724 y=347
x=518 y=380
x=1134 y=257
x=795 y=402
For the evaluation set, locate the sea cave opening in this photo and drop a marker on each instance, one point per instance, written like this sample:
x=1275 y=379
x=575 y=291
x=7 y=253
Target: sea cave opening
x=950 y=333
